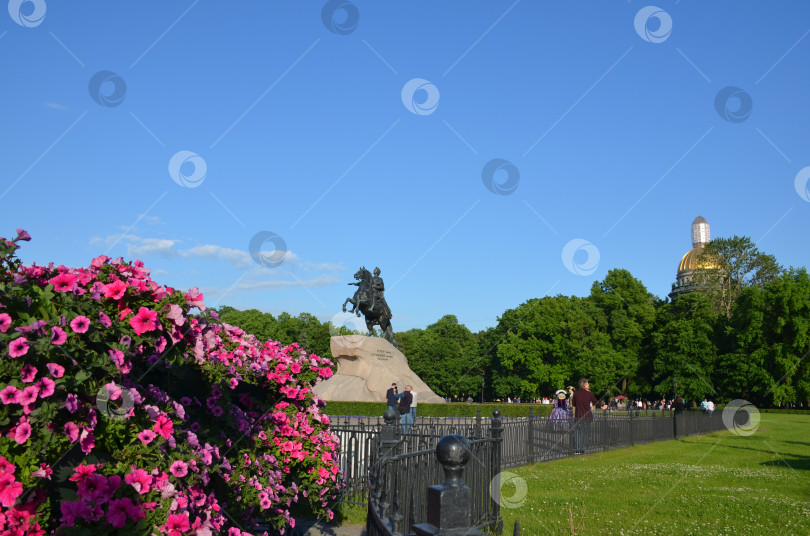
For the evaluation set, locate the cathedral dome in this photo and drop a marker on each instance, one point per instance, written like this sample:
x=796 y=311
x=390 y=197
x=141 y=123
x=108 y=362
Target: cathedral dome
x=701 y=235
x=690 y=261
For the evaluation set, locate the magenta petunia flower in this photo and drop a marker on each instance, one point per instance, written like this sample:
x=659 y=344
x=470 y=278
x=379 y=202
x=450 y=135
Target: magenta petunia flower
x=72 y=431
x=115 y=290
x=22 y=235
x=58 y=336
x=9 y=395
x=179 y=468
x=28 y=373
x=80 y=324
x=22 y=432
x=10 y=489
x=46 y=387
x=164 y=427
x=104 y=319
x=64 y=282
x=177 y=524
x=18 y=347
x=146 y=436
x=145 y=320
x=5 y=322
x=117 y=512
x=57 y=371
x=28 y=395
x=140 y=480
x=72 y=403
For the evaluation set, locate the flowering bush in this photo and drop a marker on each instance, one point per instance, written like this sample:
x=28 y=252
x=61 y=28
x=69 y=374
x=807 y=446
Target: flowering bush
x=121 y=412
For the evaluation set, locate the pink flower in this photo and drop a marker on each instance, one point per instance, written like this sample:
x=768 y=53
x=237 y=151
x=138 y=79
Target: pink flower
x=57 y=371
x=73 y=509
x=28 y=373
x=140 y=480
x=22 y=235
x=6 y=467
x=58 y=336
x=22 y=432
x=117 y=512
x=5 y=322
x=175 y=314
x=179 y=468
x=146 y=436
x=164 y=426
x=44 y=471
x=72 y=431
x=113 y=390
x=28 y=395
x=115 y=290
x=72 y=403
x=99 y=261
x=104 y=319
x=64 y=282
x=144 y=321
x=46 y=387
x=10 y=489
x=177 y=524
x=18 y=347
x=9 y=395
x=194 y=298
x=80 y=324
x=87 y=440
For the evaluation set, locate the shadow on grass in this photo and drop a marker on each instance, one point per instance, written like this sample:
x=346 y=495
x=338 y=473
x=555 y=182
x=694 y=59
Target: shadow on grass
x=789 y=460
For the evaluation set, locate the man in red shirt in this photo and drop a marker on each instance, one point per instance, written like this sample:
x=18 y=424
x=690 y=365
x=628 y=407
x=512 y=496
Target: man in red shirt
x=582 y=400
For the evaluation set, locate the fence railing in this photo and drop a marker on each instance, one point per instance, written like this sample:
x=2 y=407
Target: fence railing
x=403 y=466
x=399 y=476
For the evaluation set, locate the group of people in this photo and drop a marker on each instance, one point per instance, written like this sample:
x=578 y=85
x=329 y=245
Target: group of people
x=580 y=403
x=403 y=403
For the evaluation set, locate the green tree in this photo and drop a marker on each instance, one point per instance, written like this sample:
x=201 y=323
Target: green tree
x=445 y=356
x=628 y=313
x=728 y=266
x=684 y=347
x=770 y=331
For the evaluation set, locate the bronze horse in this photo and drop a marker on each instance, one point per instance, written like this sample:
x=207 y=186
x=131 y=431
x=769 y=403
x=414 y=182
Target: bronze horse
x=376 y=312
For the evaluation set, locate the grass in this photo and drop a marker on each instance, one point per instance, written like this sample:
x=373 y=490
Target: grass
x=717 y=484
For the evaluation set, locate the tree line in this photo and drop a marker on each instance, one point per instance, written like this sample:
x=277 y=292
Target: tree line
x=744 y=332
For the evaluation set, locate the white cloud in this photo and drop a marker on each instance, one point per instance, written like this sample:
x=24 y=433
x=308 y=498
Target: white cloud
x=55 y=106
x=139 y=246
x=152 y=246
x=240 y=259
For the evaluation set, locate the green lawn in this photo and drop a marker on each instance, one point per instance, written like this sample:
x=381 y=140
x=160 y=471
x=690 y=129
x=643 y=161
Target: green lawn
x=718 y=484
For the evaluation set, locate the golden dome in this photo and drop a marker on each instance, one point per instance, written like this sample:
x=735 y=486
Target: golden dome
x=690 y=260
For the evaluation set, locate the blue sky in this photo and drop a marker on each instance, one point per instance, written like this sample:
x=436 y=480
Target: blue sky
x=603 y=119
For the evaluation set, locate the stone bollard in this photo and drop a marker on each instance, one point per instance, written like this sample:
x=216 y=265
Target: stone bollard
x=449 y=505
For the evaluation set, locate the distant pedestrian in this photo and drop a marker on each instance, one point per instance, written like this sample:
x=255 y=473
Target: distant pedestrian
x=679 y=406
x=405 y=400
x=583 y=416
x=413 y=406
x=709 y=407
x=391 y=397
x=558 y=420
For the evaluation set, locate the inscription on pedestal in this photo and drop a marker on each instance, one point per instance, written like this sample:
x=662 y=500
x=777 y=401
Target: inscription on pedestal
x=382 y=354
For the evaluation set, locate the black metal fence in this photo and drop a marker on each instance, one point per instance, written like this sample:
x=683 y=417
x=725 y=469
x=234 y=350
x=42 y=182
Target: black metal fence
x=525 y=440
x=401 y=467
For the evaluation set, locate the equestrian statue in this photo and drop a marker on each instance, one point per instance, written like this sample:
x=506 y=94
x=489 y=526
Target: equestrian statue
x=369 y=299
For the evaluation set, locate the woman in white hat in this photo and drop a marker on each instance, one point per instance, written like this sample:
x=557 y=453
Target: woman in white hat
x=559 y=415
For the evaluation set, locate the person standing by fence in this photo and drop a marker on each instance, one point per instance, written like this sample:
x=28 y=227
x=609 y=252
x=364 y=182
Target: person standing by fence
x=405 y=400
x=391 y=397
x=583 y=416
x=413 y=405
